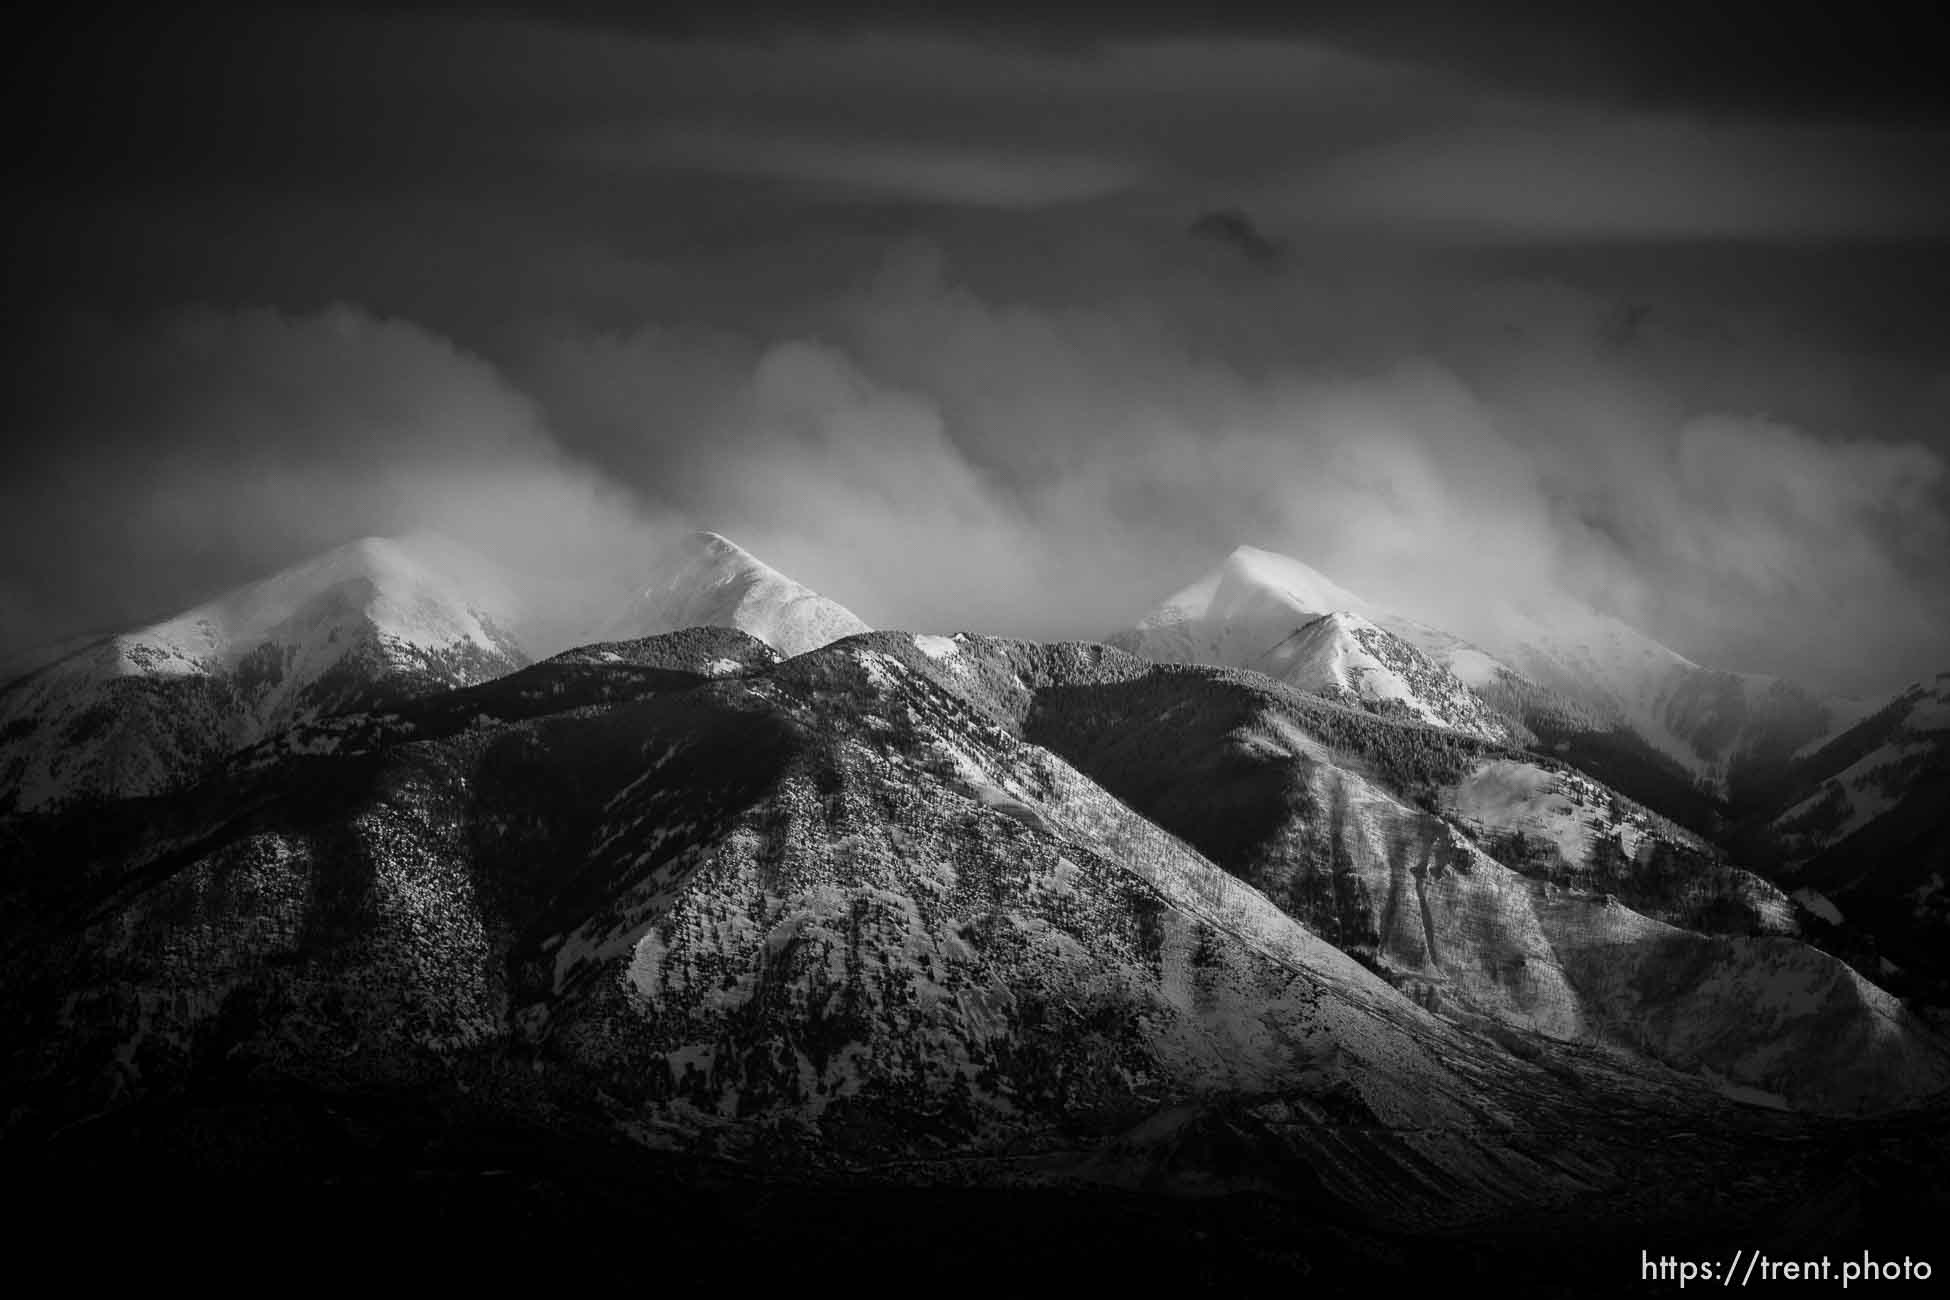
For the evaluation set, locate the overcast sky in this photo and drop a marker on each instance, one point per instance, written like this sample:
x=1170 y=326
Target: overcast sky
x=1001 y=322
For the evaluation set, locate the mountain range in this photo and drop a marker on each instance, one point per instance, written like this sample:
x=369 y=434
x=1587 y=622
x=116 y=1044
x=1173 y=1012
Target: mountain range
x=364 y=624
x=1277 y=898
x=1759 y=766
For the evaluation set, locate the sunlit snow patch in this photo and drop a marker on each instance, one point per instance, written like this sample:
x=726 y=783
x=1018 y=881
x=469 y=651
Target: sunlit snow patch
x=1819 y=904
x=936 y=647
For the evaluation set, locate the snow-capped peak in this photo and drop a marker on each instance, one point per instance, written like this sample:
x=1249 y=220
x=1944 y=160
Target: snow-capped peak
x=710 y=581
x=146 y=709
x=1251 y=580
x=1276 y=615
x=376 y=582
x=1250 y=610
x=1237 y=612
x=1343 y=655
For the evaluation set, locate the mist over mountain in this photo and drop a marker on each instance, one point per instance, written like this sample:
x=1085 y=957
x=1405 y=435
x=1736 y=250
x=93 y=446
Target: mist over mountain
x=743 y=880
x=1034 y=444
x=1158 y=651
x=157 y=708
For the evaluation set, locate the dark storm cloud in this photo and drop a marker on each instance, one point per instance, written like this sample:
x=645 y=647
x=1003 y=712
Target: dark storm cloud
x=1044 y=457
x=1811 y=60
x=323 y=104
x=201 y=448
x=1237 y=231
x=915 y=311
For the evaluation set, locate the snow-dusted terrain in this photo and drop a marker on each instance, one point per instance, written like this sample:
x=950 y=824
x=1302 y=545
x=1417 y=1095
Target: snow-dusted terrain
x=1907 y=754
x=1344 y=656
x=151 y=708
x=933 y=910
x=1250 y=612
x=1704 y=719
x=709 y=581
x=1273 y=614
x=144 y=710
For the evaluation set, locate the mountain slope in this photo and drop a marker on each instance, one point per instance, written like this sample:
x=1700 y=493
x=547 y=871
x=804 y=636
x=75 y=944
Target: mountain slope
x=1343 y=656
x=1276 y=615
x=710 y=581
x=1865 y=773
x=1697 y=743
x=1719 y=726
x=152 y=708
x=1316 y=807
x=1861 y=829
x=852 y=919
x=825 y=908
x=1236 y=613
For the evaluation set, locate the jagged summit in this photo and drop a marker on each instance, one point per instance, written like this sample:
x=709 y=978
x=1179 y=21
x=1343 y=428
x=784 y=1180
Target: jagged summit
x=710 y=581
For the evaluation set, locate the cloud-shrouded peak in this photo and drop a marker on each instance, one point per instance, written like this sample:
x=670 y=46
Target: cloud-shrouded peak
x=1347 y=657
x=1277 y=615
x=1280 y=616
x=398 y=586
x=148 y=709
x=707 y=580
x=1235 y=613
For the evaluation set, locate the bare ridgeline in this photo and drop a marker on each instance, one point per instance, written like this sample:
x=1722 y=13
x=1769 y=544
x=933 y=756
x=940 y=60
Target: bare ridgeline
x=1282 y=940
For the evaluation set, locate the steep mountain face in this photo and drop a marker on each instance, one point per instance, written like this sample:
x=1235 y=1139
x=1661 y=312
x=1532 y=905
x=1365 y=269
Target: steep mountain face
x=1275 y=615
x=1375 y=835
x=151 y=709
x=1701 y=745
x=367 y=623
x=708 y=581
x=1236 y=613
x=1867 y=772
x=1344 y=657
x=931 y=910
x=1861 y=829
x=823 y=907
x=1718 y=726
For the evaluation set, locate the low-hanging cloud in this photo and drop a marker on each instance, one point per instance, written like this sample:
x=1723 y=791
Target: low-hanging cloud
x=939 y=451
x=218 y=445
x=941 y=455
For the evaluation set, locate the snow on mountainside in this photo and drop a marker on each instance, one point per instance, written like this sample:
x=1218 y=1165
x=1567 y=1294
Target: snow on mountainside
x=842 y=911
x=709 y=581
x=1609 y=927
x=1902 y=752
x=1862 y=824
x=1581 y=670
x=1705 y=719
x=1346 y=657
x=1237 y=612
x=1276 y=615
x=148 y=709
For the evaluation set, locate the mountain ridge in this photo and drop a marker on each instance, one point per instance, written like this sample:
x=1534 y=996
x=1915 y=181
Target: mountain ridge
x=1573 y=677
x=138 y=711
x=709 y=580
